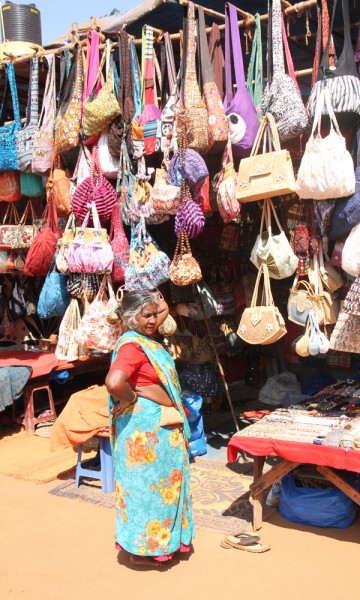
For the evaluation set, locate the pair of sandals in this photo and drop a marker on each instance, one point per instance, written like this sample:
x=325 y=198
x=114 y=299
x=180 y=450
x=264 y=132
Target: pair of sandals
x=246 y=542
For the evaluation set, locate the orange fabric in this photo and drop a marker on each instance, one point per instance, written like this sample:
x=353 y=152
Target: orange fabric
x=41 y=363
x=133 y=361
x=85 y=415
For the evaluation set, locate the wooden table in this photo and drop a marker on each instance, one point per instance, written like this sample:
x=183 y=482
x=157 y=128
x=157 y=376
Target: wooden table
x=293 y=454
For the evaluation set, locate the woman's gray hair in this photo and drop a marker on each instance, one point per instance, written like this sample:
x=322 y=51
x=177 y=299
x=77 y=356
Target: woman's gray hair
x=132 y=305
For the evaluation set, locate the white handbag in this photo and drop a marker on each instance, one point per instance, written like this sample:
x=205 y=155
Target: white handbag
x=109 y=164
x=274 y=250
x=326 y=169
x=350 y=260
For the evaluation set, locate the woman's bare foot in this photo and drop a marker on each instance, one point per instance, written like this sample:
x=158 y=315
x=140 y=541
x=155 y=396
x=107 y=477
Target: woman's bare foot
x=144 y=561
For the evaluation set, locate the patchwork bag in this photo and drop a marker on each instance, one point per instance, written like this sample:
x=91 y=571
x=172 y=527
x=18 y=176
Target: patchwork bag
x=8 y=154
x=326 y=170
x=268 y=174
x=274 y=250
x=68 y=120
x=90 y=251
x=148 y=266
x=44 y=135
x=282 y=97
x=54 y=298
x=240 y=109
x=263 y=323
x=166 y=130
x=184 y=269
x=25 y=136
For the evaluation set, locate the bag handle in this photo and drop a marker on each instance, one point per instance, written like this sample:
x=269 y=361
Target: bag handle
x=266 y=123
x=96 y=167
x=267 y=295
x=206 y=66
x=11 y=214
x=14 y=95
x=93 y=69
x=47 y=113
x=347 y=47
x=254 y=82
x=147 y=67
x=232 y=46
x=289 y=60
x=276 y=37
x=28 y=207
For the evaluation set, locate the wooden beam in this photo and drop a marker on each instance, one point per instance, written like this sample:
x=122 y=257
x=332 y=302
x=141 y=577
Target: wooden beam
x=266 y=480
x=340 y=483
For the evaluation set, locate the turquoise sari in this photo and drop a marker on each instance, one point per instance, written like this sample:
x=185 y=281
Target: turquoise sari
x=151 y=462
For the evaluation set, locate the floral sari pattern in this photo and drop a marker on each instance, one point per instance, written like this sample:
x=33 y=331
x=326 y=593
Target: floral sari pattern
x=152 y=471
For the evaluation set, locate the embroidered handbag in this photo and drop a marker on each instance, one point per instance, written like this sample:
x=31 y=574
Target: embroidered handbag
x=10 y=186
x=148 y=266
x=184 y=269
x=90 y=251
x=67 y=347
x=8 y=154
x=229 y=207
x=195 y=115
x=240 y=109
x=282 y=97
x=58 y=186
x=42 y=250
x=302 y=301
x=44 y=135
x=100 y=191
x=165 y=197
x=9 y=226
x=326 y=169
x=108 y=163
x=62 y=247
x=95 y=332
x=342 y=79
x=25 y=136
x=192 y=168
x=265 y=175
x=261 y=324
x=274 y=250
x=125 y=183
x=218 y=125
x=67 y=124
x=54 y=298
x=101 y=110
x=23 y=235
x=146 y=124
x=119 y=245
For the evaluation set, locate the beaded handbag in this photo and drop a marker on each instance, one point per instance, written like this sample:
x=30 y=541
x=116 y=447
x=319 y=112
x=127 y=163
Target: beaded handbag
x=184 y=269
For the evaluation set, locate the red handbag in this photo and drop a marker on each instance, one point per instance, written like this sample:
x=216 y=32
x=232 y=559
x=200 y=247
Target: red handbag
x=119 y=245
x=42 y=250
x=97 y=190
x=10 y=186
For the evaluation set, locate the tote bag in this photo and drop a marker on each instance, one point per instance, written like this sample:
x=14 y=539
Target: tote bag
x=25 y=136
x=8 y=154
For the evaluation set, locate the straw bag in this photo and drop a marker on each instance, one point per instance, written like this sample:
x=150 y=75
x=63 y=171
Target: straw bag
x=67 y=124
x=184 y=269
x=95 y=331
x=326 y=170
x=268 y=174
x=67 y=347
x=262 y=324
x=274 y=250
x=44 y=135
x=90 y=251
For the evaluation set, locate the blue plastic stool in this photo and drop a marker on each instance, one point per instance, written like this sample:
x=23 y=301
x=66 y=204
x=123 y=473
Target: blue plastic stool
x=106 y=472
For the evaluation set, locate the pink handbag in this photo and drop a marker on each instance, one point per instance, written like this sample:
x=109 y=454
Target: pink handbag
x=119 y=245
x=95 y=330
x=97 y=190
x=90 y=251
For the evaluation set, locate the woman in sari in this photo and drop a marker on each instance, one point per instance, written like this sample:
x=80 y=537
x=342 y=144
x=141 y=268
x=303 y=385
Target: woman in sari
x=149 y=438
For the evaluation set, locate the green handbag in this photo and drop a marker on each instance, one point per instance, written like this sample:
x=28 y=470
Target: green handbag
x=31 y=185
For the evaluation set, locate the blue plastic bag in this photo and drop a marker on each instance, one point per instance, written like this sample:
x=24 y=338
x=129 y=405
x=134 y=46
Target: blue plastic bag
x=196 y=428
x=313 y=506
x=198 y=447
x=193 y=403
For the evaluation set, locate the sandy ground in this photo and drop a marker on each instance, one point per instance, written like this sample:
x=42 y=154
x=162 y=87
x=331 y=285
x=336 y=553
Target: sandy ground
x=56 y=548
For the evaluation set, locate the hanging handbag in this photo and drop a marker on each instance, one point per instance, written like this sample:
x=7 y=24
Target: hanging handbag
x=166 y=130
x=229 y=207
x=207 y=299
x=58 y=186
x=42 y=249
x=54 y=298
x=8 y=154
x=23 y=235
x=282 y=97
x=125 y=183
x=240 y=109
x=31 y=185
x=165 y=197
x=254 y=82
x=342 y=79
x=62 y=248
x=330 y=277
x=67 y=347
x=25 y=136
x=9 y=226
x=195 y=115
x=218 y=125
x=303 y=299
x=100 y=110
x=148 y=266
x=90 y=251
x=95 y=332
x=268 y=174
x=184 y=269
x=10 y=186
x=274 y=250
x=17 y=303
x=261 y=324
x=146 y=124
x=350 y=260
x=190 y=217
x=100 y=191
x=67 y=124
x=108 y=163
x=326 y=169
x=44 y=135
x=119 y=245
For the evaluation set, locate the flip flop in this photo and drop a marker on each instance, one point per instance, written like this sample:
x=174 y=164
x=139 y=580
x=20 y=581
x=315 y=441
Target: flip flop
x=255 y=547
x=244 y=539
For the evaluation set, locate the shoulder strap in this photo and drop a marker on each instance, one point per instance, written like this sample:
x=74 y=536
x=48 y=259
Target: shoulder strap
x=347 y=54
x=206 y=67
x=93 y=63
x=48 y=108
x=14 y=94
x=254 y=81
x=276 y=37
x=233 y=46
x=217 y=58
x=32 y=115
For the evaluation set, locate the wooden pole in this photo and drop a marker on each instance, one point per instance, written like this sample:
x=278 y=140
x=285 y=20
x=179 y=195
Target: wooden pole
x=207 y=11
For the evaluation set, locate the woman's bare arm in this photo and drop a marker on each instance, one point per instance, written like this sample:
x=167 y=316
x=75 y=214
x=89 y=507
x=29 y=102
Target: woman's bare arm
x=119 y=388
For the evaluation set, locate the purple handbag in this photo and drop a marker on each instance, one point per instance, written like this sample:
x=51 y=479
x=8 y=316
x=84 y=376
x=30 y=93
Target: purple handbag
x=240 y=109
x=190 y=216
x=193 y=168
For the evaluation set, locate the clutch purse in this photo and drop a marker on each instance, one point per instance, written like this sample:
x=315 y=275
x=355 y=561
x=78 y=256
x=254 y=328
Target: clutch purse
x=170 y=416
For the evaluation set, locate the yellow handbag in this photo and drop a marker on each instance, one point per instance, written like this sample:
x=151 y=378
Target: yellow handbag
x=268 y=174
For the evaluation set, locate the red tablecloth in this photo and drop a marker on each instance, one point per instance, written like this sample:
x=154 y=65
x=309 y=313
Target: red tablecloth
x=338 y=458
x=41 y=363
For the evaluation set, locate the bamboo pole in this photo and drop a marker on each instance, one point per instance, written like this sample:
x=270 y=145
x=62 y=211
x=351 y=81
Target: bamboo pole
x=207 y=11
